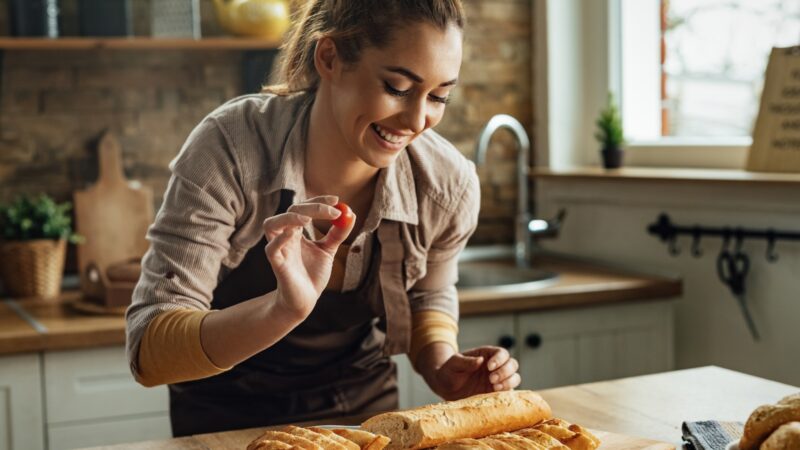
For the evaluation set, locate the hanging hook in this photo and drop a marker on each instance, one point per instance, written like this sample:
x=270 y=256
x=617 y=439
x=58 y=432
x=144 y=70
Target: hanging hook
x=726 y=238
x=772 y=256
x=696 y=250
x=739 y=241
x=674 y=250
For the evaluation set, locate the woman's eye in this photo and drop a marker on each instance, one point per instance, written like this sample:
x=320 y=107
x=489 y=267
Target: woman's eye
x=445 y=100
x=395 y=92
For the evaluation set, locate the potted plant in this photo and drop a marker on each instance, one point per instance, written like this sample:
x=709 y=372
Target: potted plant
x=33 y=237
x=610 y=134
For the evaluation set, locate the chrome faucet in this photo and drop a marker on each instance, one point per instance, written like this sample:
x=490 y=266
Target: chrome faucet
x=525 y=227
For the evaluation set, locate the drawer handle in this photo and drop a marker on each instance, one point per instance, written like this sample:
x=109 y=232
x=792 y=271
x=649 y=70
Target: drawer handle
x=534 y=340
x=507 y=342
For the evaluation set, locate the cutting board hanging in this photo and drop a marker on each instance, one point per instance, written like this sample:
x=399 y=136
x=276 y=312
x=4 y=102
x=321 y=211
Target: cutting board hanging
x=113 y=216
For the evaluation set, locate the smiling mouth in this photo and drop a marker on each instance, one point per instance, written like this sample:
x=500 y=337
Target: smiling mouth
x=386 y=136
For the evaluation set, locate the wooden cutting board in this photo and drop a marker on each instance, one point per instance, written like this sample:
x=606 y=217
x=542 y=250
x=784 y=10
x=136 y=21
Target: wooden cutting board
x=239 y=439
x=113 y=216
x=614 y=441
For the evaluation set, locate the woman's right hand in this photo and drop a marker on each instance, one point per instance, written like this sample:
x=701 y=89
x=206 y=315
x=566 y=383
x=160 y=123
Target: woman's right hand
x=302 y=267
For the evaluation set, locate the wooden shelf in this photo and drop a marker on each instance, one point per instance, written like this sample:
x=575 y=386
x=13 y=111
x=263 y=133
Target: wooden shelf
x=639 y=174
x=135 y=43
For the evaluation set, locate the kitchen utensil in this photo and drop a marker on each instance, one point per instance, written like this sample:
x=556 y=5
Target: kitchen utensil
x=113 y=216
x=732 y=270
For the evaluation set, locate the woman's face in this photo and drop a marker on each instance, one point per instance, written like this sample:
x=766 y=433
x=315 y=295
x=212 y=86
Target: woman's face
x=392 y=94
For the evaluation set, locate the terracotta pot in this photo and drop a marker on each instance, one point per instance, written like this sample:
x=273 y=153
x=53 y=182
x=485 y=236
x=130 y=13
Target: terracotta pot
x=33 y=268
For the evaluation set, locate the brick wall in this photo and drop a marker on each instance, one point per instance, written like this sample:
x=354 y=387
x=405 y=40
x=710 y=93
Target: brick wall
x=54 y=104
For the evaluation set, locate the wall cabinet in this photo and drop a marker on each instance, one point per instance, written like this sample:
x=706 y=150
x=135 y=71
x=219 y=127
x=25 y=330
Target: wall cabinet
x=562 y=347
x=77 y=398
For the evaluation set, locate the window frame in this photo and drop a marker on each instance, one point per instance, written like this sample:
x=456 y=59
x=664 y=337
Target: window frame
x=592 y=31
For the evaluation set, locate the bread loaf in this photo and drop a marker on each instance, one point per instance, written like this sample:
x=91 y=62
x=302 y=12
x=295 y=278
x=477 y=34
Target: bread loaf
x=766 y=419
x=473 y=417
x=786 y=437
x=464 y=444
x=364 y=439
x=350 y=445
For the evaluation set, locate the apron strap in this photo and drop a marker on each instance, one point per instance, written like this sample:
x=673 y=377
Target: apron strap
x=395 y=299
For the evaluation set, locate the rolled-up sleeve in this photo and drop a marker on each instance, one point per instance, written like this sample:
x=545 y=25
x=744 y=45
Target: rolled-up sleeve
x=436 y=290
x=190 y=237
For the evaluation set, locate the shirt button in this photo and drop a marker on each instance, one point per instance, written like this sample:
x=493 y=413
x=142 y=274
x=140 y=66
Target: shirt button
x=356 y=249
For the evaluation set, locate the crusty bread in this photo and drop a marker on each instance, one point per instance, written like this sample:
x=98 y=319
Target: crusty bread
x=267 y=444
x=296 y=442
x=464 y=444
x=497 y=444
x=365 y=439
x=473 y=417
x=786 y=437
x=347 y=443
x=765 y=419
x=573 y=436
x=517 y=441
x=317 y=438
x=542 y=438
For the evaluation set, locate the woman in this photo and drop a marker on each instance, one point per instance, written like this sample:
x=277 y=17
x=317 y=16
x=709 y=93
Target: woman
x=306 y=332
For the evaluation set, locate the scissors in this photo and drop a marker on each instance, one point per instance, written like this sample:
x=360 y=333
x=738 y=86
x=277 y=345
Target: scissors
x=732 y=270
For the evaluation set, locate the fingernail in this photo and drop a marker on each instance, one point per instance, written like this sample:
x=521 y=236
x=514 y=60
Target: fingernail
x=491 y=365
x=493 y=378
x=498 y=387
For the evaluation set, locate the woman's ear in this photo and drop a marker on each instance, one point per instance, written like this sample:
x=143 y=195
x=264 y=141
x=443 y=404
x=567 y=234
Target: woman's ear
x=326 y=60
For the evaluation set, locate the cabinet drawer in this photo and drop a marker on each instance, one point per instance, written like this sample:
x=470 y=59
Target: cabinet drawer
x=110 y=432
x=96 y=383
x=477 y=331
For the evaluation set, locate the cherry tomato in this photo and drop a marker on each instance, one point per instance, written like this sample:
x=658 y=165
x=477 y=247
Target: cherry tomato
x=345 y=218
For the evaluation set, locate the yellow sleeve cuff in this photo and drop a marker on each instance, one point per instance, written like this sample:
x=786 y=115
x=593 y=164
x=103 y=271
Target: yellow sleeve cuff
x=171 y=350
x=429 y=327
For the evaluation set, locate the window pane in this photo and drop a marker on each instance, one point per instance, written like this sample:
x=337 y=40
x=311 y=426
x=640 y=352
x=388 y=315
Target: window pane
x=716 y=53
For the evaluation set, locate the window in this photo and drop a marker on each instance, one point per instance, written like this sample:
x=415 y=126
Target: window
x=692 y=70
x=714 y=56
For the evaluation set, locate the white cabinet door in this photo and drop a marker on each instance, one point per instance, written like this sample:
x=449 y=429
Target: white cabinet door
x=592 y=344
x=93 y=390
x=21 y=421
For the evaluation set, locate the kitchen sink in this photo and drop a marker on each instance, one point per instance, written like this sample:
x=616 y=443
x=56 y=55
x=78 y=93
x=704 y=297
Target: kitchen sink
x=492 y=269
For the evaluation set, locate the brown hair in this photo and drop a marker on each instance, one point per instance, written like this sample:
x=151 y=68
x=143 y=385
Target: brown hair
x=353 y=25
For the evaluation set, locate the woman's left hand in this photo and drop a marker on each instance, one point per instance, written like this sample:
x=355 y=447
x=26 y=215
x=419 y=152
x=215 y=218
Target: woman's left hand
x=476 y=371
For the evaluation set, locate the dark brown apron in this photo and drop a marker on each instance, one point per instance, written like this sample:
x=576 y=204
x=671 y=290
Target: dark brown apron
x=335 y=363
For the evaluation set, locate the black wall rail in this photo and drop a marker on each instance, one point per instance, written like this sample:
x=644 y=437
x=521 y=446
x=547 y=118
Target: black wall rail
x=668 y=232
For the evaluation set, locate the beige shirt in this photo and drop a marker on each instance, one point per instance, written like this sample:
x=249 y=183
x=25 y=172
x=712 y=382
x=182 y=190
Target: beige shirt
x=227 y=179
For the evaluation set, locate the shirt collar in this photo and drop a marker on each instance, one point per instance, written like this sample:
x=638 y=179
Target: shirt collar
x=395 y=193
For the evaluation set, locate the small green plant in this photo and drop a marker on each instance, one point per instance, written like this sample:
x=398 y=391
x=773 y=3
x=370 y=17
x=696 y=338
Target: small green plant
x=29 y=218
x=609 y=125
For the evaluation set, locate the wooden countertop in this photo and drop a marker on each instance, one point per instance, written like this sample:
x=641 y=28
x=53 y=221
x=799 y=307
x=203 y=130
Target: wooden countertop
x=57 y=325
x=649 y=406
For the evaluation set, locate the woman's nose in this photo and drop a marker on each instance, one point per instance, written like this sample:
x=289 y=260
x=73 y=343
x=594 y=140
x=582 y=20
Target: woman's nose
x=417 y=116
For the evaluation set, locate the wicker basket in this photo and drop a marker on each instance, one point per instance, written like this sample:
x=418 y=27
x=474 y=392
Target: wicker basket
x=33 y=268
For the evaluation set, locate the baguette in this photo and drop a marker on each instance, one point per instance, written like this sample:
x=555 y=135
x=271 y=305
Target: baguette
x=473 y=417
x=364 y=439
x=317 y=438
x=464 y=444
x=497 y=444
x=267 y=444
x=542 y=438
x=350 y=445
x=518 y=442
x=296 y=442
